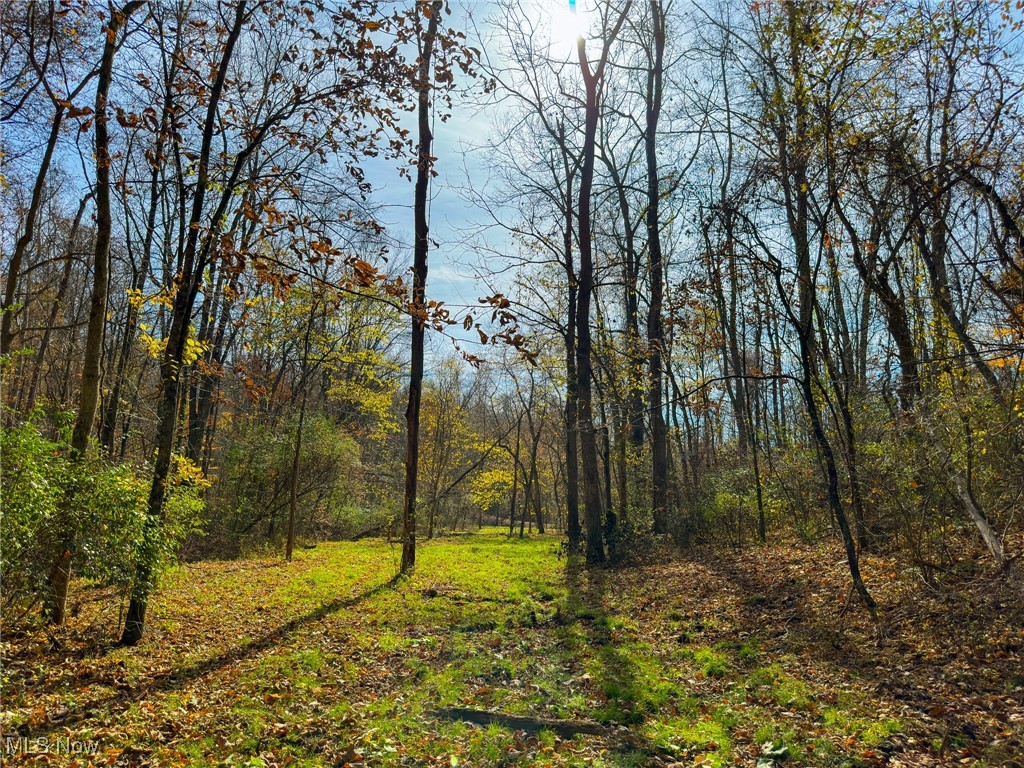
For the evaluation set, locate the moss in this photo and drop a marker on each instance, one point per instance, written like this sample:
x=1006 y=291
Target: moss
x=848 y=723
x=881 y=731
x=633 y=680
x=711 y=663
x=708 y=737
x=749 y=650
x=773 y=683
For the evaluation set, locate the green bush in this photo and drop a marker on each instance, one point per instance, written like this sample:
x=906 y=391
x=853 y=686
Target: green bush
x=32 y=481
x=99 y=508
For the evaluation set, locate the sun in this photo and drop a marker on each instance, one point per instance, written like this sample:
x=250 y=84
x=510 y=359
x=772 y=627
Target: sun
x=568 y=21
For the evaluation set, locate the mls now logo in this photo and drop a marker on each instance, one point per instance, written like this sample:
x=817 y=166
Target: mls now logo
x=24 y=745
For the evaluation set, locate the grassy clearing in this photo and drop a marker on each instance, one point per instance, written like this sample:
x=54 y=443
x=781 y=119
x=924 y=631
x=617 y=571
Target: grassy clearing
x=328 y=661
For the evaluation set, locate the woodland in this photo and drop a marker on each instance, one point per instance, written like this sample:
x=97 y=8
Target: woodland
x=533 y=382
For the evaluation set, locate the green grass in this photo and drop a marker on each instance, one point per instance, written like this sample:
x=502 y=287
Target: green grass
x=685 y=736
x=871 y=733
x=711 y=663
x=329 y=660
x=772 y=682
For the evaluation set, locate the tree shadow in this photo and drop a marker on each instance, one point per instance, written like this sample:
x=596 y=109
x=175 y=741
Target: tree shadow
x=176 y=679
x=921 y=678
x=620 y=680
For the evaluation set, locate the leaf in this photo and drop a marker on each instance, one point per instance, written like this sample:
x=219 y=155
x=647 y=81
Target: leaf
x=770 y=749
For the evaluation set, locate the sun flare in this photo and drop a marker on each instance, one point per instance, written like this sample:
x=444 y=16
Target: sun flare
x=568 y=21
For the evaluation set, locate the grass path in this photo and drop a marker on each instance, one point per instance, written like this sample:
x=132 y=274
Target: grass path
x=745 y=659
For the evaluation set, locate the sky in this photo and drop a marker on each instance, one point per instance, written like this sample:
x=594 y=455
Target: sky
x=467 y=239
x=452 y=263
x=456 y=225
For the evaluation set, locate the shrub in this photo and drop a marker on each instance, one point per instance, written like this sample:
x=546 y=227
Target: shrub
x=32 y=480
x=100 y=508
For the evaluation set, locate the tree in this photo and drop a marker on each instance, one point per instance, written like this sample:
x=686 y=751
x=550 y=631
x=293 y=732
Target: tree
x=538 y=166
x=320 y=87
x=655 y=333
x=60 y=57
x=431 y=12
x=60 y=573
x=593 y=77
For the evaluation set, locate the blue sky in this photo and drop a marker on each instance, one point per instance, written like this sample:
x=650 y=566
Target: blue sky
x=467 y=240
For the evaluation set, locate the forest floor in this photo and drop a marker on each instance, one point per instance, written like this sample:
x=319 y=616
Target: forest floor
x=751 y=658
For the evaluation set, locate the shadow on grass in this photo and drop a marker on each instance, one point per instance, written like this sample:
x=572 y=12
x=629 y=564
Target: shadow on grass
x=620 y=680
x=588 y=603
x=175 y=679
x=922 y=682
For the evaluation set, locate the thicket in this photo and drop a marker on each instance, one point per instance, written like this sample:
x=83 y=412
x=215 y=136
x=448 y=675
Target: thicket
x=107 y=502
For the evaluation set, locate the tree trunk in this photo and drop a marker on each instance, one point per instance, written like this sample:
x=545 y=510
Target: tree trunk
x=515 y=480
x=635 y=352
x=611 y=520
x=293 y=485
x=418 y=305
x=108 y=423
x=622 y=427
x=796 y=189
x=171 y=364
x=572 y=472
x=592 y=80
x=88 y=398
x=988 y=533
x=535 y=484
x=655 y=331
